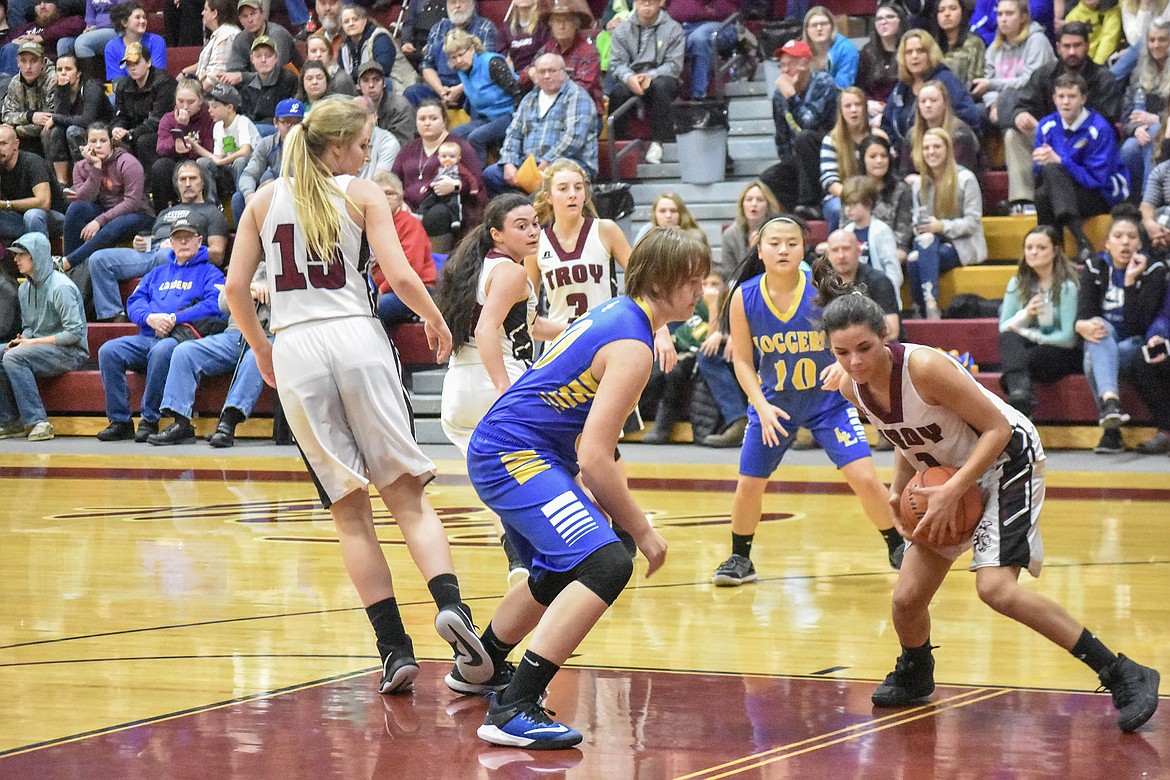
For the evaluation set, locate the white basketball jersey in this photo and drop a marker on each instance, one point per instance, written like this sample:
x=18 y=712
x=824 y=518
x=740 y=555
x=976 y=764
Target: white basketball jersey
x=304 y=288
x=575 y=279
x=516 y=331
x=929 y=435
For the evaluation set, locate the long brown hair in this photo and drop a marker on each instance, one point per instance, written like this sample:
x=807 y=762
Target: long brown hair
x=1063 y=269
x=847 y=161
x=686 y=220
x=945 y=189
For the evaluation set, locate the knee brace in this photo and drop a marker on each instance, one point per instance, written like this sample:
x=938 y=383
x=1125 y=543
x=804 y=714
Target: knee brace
x=605 y=572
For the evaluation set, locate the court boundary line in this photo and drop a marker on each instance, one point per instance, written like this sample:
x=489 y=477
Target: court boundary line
x=849 y=733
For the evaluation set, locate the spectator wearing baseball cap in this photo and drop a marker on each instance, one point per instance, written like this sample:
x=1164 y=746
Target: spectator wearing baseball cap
x=129 y=21
x=30 y=93
x=395 y=114
x=804 y=109
x=264 y=163
x=234 y=138
x=141 y=99
x=254 y=25
x=266 y=85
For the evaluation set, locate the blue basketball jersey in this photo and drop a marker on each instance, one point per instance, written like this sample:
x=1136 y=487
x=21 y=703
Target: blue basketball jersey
x=790 y=351
x=545 y=409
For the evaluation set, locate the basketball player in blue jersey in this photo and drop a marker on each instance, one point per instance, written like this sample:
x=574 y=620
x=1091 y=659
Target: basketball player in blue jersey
x=935 y=413
x=778 y=352
x=542 y=459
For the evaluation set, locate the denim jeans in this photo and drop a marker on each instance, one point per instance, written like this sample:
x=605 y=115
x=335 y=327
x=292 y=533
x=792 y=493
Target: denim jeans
x=88 y=44
x=1139 y=160
x=1125 y=64
x=107 y=267
x=193 y=360
x=19 y=369
x=831 y=208
x=298 y=12
x=482 y=133
x=392 y=311
x=934 y=258
x=118 y=229
x=13 y=224
x=135 y=353
x=724 y=387
x=1103 y=361
x=701 y=52
x=493 y=179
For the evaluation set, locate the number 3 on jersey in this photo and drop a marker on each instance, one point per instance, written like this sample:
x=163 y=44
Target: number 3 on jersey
x=321 y=275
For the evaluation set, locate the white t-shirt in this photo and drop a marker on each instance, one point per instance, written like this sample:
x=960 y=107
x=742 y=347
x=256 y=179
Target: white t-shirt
x=240 y=133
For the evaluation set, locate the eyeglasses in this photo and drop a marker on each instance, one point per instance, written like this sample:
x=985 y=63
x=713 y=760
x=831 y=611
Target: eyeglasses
x=880 y=19
x=822 y=23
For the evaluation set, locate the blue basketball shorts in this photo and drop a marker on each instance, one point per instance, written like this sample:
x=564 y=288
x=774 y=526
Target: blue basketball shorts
x=552 y=523
x=837 y=429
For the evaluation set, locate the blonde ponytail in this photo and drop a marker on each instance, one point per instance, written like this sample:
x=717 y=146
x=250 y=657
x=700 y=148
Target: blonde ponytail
x=330 y=121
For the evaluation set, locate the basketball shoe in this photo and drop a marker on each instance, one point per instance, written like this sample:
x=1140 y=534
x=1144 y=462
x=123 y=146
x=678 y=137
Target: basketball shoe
x=455 y=627
x=498 y=682
x=1135 y=691
x=399 y=669
x=525 y=725
x=910 y=681
x=736 y=570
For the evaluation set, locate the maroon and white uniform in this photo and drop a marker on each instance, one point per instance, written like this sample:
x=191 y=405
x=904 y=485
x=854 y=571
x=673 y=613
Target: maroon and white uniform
x=337 y=374
x=578 y=278
x=1013 y=488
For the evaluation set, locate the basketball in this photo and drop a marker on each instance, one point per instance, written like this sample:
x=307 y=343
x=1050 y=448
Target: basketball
x=967 y=512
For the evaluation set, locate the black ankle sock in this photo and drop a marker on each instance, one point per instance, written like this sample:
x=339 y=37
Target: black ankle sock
x=178 y=418
x=917 y=653
x=1092 y=652
x=497 y=650
x=533 y=674
x=387 y=623
x=892 y=537
x=741 y=544
x=445 y=590
x=510 y=552
x=231 y=416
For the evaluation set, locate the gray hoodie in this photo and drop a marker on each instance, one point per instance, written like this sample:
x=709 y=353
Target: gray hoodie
x=656 y=48
x=1009 y=66
x=50 y=303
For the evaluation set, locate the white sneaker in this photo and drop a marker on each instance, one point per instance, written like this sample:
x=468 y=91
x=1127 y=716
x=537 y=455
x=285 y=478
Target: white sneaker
x=654 y=153
x=42 y=431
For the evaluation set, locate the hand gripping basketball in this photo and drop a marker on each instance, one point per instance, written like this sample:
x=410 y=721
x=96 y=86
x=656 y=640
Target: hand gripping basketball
x=914 y=506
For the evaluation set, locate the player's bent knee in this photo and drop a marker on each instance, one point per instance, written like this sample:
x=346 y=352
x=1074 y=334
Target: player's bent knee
x=606 y=571
x=1000 y=596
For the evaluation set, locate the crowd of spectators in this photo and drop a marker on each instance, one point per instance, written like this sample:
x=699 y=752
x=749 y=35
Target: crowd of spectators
x=883 y=138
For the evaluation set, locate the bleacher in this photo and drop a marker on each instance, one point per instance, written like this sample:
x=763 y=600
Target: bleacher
x=1064 y=403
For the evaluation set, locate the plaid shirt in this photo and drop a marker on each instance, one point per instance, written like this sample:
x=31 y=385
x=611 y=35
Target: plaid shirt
x=436 y=59
x=568 y=129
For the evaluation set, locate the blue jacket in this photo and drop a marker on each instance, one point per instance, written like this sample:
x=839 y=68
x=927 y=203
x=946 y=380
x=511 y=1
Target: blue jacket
x=188 y=291
x=1089 y=152
x=484 y=96
x=50 y=303
x=843 y=59
x=898 y=118
x=814 y=110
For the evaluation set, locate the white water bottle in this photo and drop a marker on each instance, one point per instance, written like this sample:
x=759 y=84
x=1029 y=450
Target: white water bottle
x=1044 y=314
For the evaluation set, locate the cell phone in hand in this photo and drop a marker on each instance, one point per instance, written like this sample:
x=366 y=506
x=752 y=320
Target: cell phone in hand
x=1152 y=353
x=177 y=133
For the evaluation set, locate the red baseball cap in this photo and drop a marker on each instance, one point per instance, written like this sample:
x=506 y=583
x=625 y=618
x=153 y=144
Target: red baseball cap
x=794 y=48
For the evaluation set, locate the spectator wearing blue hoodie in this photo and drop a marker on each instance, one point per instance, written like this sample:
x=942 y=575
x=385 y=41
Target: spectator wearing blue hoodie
x=51 y=341
x=832 y=51
x=184 y=290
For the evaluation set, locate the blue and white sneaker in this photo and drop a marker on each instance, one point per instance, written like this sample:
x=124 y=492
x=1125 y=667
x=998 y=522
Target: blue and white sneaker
x=525 y=725
x=399 y=669
x=498 y=682
x=455 y=627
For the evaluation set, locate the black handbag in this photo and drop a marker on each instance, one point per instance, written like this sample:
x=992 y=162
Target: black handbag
x=613 y=200
x=188 y=331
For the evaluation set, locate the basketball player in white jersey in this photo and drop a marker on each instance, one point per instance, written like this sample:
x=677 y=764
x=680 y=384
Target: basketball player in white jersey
x=338 y=375
x=936 y=414
x=490 y=304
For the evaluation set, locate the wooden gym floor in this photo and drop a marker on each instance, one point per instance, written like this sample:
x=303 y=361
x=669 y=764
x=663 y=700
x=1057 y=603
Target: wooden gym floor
x=173 y=614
